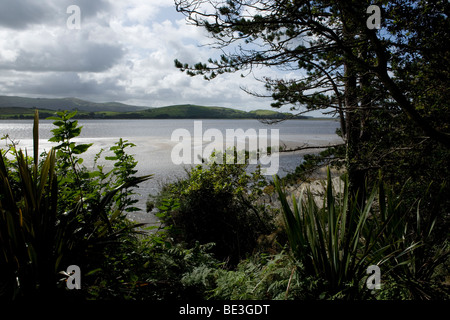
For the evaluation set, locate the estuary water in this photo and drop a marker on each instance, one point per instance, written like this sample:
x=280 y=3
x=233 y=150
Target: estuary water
x=154 y=143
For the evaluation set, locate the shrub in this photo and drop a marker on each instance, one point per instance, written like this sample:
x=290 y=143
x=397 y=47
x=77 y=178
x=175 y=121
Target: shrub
x=260 y=277
x=217 y=203
x=152 y=268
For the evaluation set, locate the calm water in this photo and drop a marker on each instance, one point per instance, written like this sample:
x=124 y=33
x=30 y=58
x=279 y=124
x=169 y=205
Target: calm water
x=154 y=146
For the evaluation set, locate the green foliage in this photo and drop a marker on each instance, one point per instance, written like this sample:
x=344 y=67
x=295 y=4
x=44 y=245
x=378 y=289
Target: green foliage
x=152 y=268
x=123 y=172
x=218 y=203
x=72 y=177
x=81 y=183
x=173 y=263
x=339 y=240
x=261 y=277
x=416 y=273
x=29 y=256
x=389 y=88
x=54 y=214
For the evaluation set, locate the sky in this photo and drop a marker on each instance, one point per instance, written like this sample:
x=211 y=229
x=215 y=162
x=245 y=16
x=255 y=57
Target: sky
x=123 y=51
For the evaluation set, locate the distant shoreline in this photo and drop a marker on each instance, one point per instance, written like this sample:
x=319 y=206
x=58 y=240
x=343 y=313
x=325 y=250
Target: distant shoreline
x=164 y=113
x=182 y=112
x=83 y=118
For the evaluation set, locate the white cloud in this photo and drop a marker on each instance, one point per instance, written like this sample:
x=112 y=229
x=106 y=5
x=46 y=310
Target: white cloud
x=124 y=51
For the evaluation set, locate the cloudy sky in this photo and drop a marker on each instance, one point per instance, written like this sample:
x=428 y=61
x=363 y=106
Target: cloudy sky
x=123 y=51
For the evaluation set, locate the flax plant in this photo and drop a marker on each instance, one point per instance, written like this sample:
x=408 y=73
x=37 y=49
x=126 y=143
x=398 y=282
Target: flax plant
x=338 y=241
x=27 y=222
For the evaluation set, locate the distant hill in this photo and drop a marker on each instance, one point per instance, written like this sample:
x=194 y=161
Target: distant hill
x=189 y=111
x=23 y=108
x=65 y=104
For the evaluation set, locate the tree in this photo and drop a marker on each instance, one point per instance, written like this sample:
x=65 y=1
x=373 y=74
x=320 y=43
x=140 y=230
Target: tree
x=358 y=72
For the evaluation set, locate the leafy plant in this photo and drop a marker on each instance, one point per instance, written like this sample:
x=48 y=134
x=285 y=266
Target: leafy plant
x=260 y=277
x=338 y=241
x=44 y=225
x=218 y=203
x=414 y=272
x=27 y=226
x=152 y=269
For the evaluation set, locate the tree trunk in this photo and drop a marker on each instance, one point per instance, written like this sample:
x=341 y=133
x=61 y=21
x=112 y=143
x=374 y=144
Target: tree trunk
x=353 y=137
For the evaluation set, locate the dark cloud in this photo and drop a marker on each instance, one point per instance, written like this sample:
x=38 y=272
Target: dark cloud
x=81 y=57
x=20 y=14
x=23 y=14
x=67 y=84
x=53 y=47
